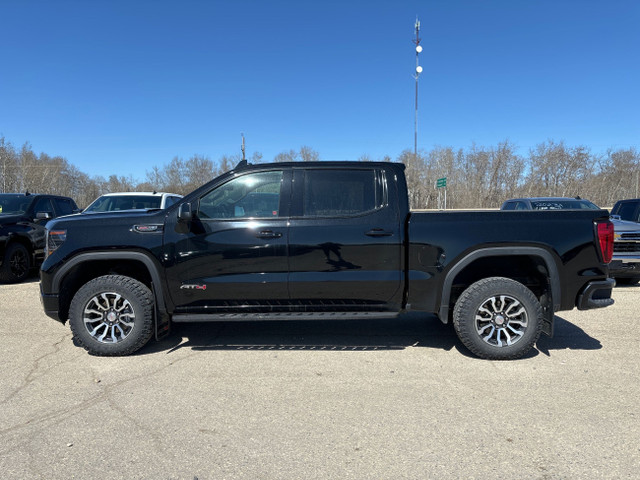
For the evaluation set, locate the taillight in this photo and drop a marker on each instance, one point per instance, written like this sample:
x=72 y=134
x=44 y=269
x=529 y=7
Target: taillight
x=55 y=238
x=605 y=239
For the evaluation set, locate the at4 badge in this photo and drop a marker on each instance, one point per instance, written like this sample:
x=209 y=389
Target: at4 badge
x=193 y=286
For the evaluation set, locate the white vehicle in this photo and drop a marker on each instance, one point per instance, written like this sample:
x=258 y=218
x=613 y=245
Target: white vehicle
x=116 y=202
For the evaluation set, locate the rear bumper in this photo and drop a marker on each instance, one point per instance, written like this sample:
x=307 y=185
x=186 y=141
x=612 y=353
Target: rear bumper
x=596 y=294
x=621 y=267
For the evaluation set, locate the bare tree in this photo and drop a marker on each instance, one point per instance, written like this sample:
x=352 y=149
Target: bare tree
x=8 y=167
x=305 y=154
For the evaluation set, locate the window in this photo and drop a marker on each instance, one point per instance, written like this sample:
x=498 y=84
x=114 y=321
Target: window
x=43 y=205
x=341 y=192
x=171 y=200
x=63 y=206
x=255 y=195
x=626 y=211
x=563 y=205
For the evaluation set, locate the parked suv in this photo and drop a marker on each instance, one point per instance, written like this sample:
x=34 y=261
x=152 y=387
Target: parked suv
x=625 y=266
x=23 y=217
x=549 y=203
x=112 y=202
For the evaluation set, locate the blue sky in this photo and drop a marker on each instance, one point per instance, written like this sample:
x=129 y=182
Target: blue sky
x=117 y=87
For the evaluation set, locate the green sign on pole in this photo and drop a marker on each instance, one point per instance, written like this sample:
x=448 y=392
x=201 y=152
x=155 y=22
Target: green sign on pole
x=441 y=182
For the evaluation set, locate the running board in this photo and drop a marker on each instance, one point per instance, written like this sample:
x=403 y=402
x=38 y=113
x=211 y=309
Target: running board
x=243 y=317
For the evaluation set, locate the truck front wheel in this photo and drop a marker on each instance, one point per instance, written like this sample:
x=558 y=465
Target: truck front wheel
x=112 y=315
x=15 y=266
x=498 y=318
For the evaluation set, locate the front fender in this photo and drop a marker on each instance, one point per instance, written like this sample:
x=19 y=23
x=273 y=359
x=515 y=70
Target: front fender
x=148 y=261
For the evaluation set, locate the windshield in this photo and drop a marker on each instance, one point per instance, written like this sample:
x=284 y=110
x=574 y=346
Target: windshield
x=563 y=205
x=14 y=204
x=124 y=202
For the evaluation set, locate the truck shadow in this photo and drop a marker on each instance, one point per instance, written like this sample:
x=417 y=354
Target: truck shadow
x=349 y=335
x=567 y=336
x=409 y=330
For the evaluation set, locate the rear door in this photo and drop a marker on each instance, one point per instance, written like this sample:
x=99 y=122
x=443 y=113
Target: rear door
x=344 y=240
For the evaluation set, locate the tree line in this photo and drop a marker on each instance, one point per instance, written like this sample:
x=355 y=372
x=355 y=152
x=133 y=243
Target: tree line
x=477 y=177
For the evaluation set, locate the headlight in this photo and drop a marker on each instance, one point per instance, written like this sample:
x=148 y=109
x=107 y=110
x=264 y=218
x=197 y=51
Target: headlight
x=55 y=238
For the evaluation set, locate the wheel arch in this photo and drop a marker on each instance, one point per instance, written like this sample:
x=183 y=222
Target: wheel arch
x=86 y=266
x=24 y=240
x=538 y=261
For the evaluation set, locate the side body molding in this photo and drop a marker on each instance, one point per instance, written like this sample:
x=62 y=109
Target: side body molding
x=545 y=255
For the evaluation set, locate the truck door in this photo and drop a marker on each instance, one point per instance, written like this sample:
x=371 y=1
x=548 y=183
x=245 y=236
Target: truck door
x=233 y=253
x=344 y=240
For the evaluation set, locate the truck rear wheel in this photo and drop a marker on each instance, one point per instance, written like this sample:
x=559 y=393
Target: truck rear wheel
x=498 y=318
x=112 y=315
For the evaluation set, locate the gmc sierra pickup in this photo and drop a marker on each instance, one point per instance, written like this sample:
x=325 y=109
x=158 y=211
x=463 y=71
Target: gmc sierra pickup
x=322 y=240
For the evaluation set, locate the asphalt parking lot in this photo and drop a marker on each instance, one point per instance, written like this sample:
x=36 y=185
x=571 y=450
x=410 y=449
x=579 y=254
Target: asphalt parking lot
x=387 y=399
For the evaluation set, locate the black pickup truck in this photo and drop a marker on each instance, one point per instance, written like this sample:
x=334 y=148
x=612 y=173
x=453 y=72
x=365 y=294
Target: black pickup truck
x=322 y=240
x=23 y=217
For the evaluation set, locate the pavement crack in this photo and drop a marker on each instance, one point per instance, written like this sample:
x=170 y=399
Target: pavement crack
x=31 y=374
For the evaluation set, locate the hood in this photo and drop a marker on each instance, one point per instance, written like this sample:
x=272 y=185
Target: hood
x=110 y=218
x=10 y=219
x=624 y=226
x=118 y=212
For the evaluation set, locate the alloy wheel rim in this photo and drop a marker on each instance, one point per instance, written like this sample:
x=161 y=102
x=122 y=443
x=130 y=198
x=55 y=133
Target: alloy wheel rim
x=109 y=317
x=501 y=321
x=19 y=263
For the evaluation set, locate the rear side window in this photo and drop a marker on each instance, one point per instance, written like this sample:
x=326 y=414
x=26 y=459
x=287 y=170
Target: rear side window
x=341 y=192
x=563 y=205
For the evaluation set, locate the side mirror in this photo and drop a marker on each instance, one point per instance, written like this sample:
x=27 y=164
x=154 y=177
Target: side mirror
x=43 y=216
x=184 y=213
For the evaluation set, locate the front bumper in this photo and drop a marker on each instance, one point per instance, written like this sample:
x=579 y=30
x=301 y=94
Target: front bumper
x=50 y=304
x=596 y=294
x=624 y=267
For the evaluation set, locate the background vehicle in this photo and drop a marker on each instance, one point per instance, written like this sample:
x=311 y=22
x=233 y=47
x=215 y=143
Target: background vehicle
x=335 y=241
x=549 y=203
x=625 y=265
x=112 y=202
x=628 y=210
x=22 y=230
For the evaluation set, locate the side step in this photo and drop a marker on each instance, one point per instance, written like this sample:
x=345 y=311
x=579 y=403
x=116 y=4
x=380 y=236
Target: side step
x=243 y=317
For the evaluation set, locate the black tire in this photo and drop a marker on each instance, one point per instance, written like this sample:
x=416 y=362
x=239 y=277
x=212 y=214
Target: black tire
x=628 y=281
x=112 y=315
x=498 y=318
x=16 y=264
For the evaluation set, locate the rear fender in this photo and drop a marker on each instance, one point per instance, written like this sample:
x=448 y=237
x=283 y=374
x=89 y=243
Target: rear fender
x=550 y=303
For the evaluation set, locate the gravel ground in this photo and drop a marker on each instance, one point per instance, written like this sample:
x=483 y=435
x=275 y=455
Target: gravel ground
x=386 y=399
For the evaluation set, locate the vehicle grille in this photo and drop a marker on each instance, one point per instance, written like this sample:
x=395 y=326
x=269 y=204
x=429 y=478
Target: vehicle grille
x=626 y=247
x=630 y=236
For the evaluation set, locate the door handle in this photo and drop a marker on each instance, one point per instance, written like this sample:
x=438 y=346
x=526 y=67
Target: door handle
x=268 y=234
x=378 y=232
